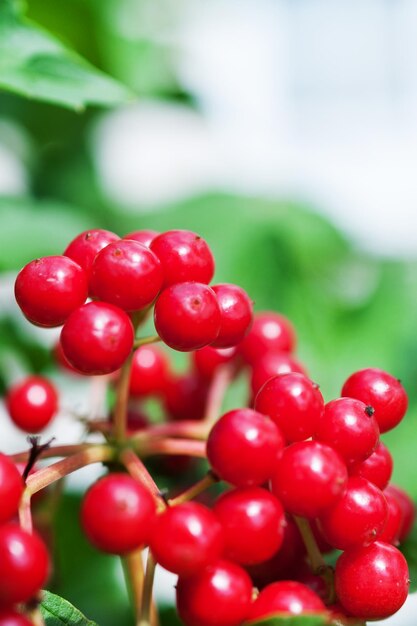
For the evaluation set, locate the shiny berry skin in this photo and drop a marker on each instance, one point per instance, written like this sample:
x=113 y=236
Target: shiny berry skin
x=377 y=468
x=392 y=529
x=349 y=427
x=270 y=365
x=309 y=478
x=381 y=391
x=126 y=274
x=270 y=332
x=286 y=597
x=253 y=522
x=97 y=338
x=85 y=247
x=219 y=595
x=243 y=447
x=187 y=316
x=145 y=237
x=49 y=289
x=150 y=369
x=32 y=403
x=208 y=360
x=186 y=538
x=185 y=257
x=11 y=488
x=185 y=397
x=294 y=403
x=13 y=618
x=408 y=509
x=24 y=565
x=117 y=514
x=236 y=311
x=372 y=581
x=358 y=518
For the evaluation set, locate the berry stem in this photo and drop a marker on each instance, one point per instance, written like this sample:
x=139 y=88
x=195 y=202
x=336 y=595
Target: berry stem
x=217 y=392
x=50 y=452
x=195 y=490
x=138 y=471
x=25 y=512
x=122 y=398
x=173 y=446
x=143 y=341
x=145 y=618
x=134 y=575
x=316 y=559
x=189 y=429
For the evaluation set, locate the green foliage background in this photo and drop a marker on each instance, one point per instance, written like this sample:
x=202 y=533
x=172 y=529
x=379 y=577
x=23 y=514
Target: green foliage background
x=351 y=310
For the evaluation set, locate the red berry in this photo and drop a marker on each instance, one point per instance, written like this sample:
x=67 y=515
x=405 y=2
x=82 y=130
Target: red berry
x=285 y=597
x=49 y=289
x=381 y=391
x=85 y=247
x=236 y=314
x=358 y=518
x=184 y=256
x=407 y=507
x=13 y=618
x=24 y=565
x=97 y=338
x=32 y=403
x=186 y=538
x=219 y=595
x=145 y=237
x=207 y=360
x=150 y=368
x=270 y=365
x=377 y=468
x=294 y=403
x=117 y=514
x=392 y=529
x=309 y=478
x=372 y=581
x=61 y=360
x=126 y=274
x=243 y=447
x=11 y=488
x=316 y=583
x=270 y=332
x=185 y=397
x=187 y=316
x=349 y=427
x=253 y=522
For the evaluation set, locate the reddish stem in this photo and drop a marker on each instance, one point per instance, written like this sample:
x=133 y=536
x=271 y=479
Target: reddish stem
x=219 y=385
x=184 y=447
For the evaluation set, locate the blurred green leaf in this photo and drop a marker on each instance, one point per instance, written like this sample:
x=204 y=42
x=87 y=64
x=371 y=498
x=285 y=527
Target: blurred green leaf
x=36 y=65
x=296 y=620
x=58 y=612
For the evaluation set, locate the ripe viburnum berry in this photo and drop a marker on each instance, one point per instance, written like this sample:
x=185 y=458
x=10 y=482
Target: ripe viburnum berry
x=187 y=316
x=219 y=595
x=349 y=426
x=145 y=237
x=294 y=403
x=392 y=528
x=32 y=403
x=185 y=257
x=372 y=581
x=85 y=247
x=408 y=509
x=11 y=488
x=283 y=598
x=270 y=365
x=253 y=522
x=377 y=468
x=207 y=360
x=150 y=369
x=186 y=538
x=358 y=518
x=126 y=274
x=24 y=564
x=309 y=478
x=117 y=514
x=185 y=397
x=49 y=289
x=236 y=311
x=243 y=447
x=270 y=332
x=97 y=338
x=9 y=617
x=380 y=390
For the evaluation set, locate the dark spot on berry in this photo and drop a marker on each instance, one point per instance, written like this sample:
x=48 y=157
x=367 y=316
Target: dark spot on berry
x=118 y=252
x=369 y=410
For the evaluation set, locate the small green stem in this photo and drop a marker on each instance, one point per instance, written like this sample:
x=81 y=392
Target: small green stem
x=145 y=616
x=122 y=398
x=143 y=341
x=134 y=575
x=194 y=490
x=316 y=559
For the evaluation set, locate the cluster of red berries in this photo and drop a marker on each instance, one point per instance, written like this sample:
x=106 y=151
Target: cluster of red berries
x=304 y=476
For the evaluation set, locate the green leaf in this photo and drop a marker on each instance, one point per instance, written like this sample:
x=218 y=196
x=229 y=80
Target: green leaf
x=293 y=620
x=409 y=549
x=57 y=611
x=36 y=65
